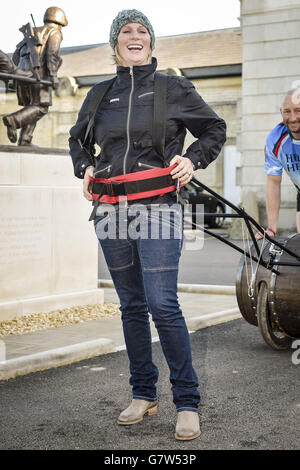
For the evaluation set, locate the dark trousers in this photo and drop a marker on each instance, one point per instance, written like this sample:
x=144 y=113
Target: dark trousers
x=143 y=262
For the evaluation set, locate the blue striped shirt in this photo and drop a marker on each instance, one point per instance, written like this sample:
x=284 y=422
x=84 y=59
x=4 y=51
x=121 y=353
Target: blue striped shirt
x=282 y=152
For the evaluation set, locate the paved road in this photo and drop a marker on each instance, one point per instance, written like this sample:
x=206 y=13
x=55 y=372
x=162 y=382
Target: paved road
x=250 y=400
x=210 y=262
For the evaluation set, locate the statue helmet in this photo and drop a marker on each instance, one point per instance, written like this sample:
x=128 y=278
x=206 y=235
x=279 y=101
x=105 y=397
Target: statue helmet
x=55 y=15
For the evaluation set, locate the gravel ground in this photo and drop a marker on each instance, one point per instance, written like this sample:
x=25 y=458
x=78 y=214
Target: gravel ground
x=57 y=318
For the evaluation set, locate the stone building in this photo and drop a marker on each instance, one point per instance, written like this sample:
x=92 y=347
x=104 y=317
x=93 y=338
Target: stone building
x=271 y=66
x=212 y=60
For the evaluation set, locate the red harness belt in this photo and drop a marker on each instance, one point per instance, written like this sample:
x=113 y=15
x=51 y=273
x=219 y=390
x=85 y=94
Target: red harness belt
x=131 y=186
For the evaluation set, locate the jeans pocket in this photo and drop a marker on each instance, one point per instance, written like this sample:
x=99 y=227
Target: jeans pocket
x=160 y=255
x=118 y=254
x=100 y=218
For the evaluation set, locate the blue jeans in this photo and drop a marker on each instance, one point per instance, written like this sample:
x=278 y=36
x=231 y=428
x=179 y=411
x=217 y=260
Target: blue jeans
x=142 y=252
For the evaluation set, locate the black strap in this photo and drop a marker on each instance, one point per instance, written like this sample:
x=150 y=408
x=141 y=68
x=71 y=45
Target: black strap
x=93 y=106
x=95 y=206
x=114 y=188
x=159 y=114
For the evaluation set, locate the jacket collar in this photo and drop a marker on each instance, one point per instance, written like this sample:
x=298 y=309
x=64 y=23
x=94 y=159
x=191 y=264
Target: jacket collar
x=140 y=72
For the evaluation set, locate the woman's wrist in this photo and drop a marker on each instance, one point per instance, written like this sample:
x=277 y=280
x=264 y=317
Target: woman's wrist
x=194 y=168
x=88 y=168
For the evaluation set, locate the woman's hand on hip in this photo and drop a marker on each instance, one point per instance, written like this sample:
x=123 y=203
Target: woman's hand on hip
x=87 y=187
x=183 y=170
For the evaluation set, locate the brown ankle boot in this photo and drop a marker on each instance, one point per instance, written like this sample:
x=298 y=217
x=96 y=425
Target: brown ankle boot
x=137 y=410
x=187 y=426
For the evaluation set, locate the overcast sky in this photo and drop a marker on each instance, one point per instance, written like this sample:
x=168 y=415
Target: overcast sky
x=90 y=20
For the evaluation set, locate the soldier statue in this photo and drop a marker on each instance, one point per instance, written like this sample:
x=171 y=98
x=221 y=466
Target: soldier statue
x=34 y=64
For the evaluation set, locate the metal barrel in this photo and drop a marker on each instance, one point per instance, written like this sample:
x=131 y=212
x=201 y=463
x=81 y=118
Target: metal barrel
x=283 y=285
x=284 y=291
x=247 y=301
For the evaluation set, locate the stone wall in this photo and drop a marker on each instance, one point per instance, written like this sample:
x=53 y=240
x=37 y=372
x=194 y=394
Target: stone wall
x=48 y=249
x=271 y=64
x=223 y=95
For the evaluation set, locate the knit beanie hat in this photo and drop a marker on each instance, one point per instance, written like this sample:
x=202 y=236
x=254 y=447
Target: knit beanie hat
x=129 y=16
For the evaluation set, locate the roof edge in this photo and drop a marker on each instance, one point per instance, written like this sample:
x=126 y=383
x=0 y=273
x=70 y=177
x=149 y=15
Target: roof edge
x=72 y=49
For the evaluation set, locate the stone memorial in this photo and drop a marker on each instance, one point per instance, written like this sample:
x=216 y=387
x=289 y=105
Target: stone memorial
x=48 y=250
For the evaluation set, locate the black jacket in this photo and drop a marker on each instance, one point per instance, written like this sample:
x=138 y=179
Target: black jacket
x=123 y=125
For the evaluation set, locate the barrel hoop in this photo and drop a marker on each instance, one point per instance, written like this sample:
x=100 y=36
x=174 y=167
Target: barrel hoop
x=272 y=284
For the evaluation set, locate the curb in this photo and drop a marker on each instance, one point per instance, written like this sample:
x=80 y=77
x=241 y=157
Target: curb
x=54 y=358
x=191 y=288
x=61 y=356
x=24 y=365
x=210 y=319
x=206 y=289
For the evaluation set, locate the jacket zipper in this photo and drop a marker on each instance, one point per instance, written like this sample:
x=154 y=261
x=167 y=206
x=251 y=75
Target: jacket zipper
x=147 y=166
x=145 y=94
x=103 y=169
x=128 y=120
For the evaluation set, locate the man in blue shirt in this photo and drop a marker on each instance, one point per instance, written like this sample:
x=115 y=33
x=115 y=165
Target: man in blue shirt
x=282 y=152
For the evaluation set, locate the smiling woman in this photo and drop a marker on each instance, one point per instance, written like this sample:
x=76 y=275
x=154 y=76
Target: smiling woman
x=132 y=38
x=139 y=119
x=133 y=46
